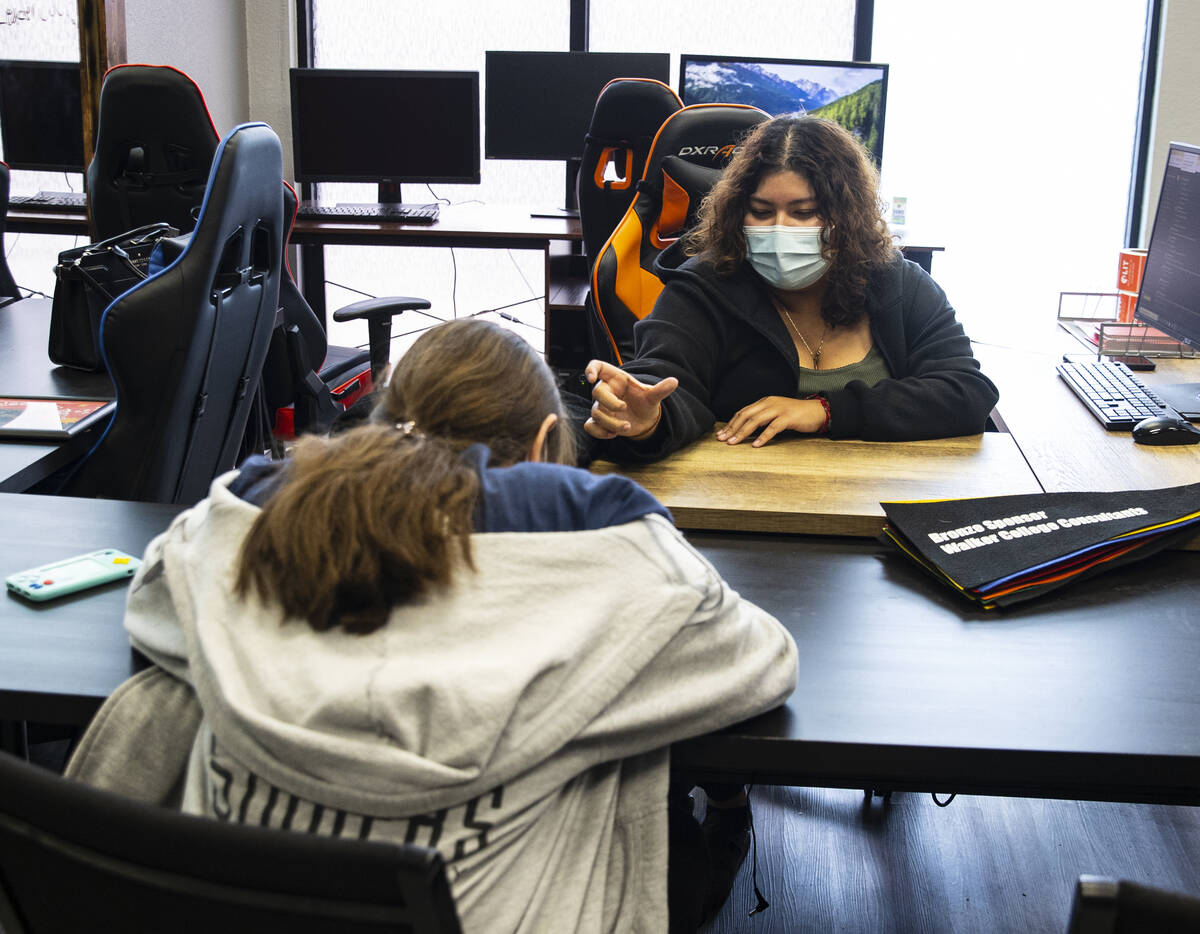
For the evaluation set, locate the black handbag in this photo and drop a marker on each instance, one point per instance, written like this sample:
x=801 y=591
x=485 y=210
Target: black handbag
x=87 y=279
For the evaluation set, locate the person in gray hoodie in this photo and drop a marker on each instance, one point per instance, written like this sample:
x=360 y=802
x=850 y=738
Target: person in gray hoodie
x=430 y=629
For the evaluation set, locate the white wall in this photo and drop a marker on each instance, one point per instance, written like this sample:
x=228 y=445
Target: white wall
x=206 y=39
x=270 y=28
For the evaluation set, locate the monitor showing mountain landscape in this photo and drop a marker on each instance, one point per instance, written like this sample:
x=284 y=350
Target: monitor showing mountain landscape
x=853 y=94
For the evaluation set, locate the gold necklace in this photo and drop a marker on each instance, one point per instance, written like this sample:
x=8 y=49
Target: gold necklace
x=815 y=354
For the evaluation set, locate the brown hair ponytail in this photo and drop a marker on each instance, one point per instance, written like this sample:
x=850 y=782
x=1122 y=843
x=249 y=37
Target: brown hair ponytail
x=381 y=515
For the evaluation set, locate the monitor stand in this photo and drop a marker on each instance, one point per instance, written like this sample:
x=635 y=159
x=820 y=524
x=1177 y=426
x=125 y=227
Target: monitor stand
x=571 y=199
x=1185 y=397
x=555 y=212
x=389 y=194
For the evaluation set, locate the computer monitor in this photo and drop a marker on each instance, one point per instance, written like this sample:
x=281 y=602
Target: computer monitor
x=41 y=117
x=538 y=105
x=1169 y=298
x=386 y=127
x=853 y=94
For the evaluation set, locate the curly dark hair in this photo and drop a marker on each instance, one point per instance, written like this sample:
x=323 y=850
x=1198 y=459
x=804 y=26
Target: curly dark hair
x=846 y=185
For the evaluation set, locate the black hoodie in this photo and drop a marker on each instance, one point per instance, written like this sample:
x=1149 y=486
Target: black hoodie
x=723 y=339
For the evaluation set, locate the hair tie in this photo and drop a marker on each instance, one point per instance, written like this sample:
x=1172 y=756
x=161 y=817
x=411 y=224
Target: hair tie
x=409 y=430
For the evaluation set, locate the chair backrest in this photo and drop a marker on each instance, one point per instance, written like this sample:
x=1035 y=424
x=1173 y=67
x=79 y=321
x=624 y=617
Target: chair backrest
x=154 y=145
x=298 y=345
x=688 y=154
x=8 y=286
x=1108 y=906
x=74 y=858
x=185 y=347
x=627 y=114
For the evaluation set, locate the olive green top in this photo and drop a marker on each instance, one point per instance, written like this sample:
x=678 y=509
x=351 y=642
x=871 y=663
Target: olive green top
x=870 y=369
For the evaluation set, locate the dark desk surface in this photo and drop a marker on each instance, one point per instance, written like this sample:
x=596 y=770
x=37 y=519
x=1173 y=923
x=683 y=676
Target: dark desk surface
x=59 y=661
x=1089 y=694
x=903 y=685
x=26 y=370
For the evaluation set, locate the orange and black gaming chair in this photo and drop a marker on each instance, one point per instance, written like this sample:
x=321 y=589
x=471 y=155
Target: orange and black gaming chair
x=686 y=158
x=627 y=114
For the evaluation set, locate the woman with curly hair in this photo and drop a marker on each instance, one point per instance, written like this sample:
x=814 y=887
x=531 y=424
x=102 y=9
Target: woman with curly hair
x=787 y=308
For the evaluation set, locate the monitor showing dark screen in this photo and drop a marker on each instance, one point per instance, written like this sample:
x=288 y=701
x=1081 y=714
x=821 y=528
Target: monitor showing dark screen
x=852 y=94
x=1170 y=293
x=41 y=118
x=385 y=126
x=537 y=105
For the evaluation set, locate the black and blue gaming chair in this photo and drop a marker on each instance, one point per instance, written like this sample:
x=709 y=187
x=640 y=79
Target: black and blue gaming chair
x=185 y=347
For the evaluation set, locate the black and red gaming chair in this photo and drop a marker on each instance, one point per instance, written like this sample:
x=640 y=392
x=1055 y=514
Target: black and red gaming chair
x=627 y=114
x=154 y=145
x=153 y=136
x=686 y=158
x=308 y=382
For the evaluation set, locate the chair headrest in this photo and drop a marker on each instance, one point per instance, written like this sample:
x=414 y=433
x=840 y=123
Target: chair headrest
x=631 y=108
x=157 y=100
x=706 y=135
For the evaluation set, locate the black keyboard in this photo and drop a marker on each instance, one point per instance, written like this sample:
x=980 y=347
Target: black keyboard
x=1112 y=393
x=61 y=201
x=410 y=213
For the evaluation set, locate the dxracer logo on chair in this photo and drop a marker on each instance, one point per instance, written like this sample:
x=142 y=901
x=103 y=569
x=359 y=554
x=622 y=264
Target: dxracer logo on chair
x=717 y=153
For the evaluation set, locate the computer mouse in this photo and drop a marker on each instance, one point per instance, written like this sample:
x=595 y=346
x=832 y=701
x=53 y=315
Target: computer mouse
x=1165 y=429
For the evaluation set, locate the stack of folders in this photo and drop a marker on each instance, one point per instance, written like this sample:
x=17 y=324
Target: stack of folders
x=1001 y=550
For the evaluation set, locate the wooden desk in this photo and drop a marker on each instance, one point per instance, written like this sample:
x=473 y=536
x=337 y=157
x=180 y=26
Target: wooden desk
x=48 y=222
x=1069 y=450
x=484 y=226
x=820 y=487
x=26 y=370
x=903 y=685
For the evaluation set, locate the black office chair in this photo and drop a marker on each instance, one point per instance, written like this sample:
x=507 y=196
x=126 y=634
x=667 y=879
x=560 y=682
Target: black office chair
x=154 y=146
x=1108 y=906
x=8 y=286
x=185 y=347
x=74 y=858
x=308 y=382
x=687 y=156
x=627 y=114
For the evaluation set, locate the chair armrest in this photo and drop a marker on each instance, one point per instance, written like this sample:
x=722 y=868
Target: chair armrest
x=376 y=309
x=378 y=314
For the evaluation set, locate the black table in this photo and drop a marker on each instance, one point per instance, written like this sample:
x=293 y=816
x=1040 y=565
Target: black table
x=26 y=370
x=1089 y=694
x=59 y=660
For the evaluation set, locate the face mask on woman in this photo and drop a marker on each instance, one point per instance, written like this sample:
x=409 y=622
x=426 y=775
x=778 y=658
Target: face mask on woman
x=787 y=257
